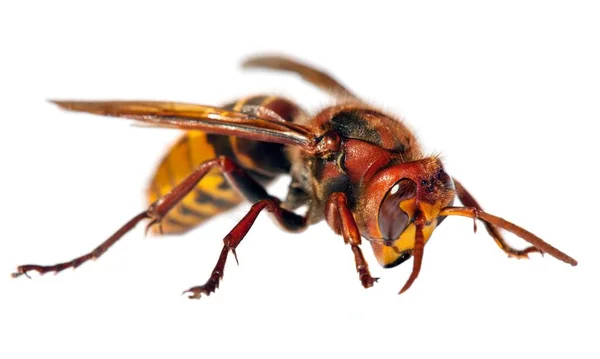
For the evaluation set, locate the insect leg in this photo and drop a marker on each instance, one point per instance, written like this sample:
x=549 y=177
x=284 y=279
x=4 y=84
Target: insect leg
x=155 y=213
x=287 y=219
x=340 y=219
x=96 y=253
x=468 y=201
x=475 y=213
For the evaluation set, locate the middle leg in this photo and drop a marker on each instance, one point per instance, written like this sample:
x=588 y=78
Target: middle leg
x=287 y=219
x=254 y=192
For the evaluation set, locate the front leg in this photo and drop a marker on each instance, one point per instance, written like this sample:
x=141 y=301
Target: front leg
x=469 y=201
x=341 y=220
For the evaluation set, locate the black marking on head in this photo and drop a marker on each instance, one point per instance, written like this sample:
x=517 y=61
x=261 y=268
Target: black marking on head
x=404 y=256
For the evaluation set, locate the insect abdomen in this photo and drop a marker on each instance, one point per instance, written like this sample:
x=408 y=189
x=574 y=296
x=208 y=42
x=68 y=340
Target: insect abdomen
x=214 y=195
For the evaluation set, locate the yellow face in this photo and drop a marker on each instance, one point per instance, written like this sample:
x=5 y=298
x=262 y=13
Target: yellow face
x=405 y=193
x=393 y=252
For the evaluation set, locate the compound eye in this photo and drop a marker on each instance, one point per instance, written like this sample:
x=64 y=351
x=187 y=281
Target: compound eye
x=392 y=219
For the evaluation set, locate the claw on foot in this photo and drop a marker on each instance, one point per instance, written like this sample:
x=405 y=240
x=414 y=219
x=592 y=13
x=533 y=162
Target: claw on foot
x=19 y=273
x=209 y=287
x=524 y=254
x=235 y=256
x=152 y=224
x=368 y=281
x=24 y=270
x=196 y=292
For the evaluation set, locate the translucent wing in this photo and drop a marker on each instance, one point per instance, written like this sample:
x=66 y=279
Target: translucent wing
x=252 y=122
x=308 y=73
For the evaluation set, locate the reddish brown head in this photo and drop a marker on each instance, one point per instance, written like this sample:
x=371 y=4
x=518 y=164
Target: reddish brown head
x=400 y=201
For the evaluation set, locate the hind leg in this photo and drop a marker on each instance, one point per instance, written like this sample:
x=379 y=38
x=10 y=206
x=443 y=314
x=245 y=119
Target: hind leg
x=157 y=211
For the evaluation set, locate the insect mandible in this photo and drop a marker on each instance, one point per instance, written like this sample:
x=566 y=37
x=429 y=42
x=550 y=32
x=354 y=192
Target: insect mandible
x=351 y=164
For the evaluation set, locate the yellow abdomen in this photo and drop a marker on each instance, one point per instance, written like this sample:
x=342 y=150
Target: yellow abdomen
x=211 y=196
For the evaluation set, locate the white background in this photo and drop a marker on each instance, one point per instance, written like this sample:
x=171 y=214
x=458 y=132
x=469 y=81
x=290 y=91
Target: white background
x=507 y=93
